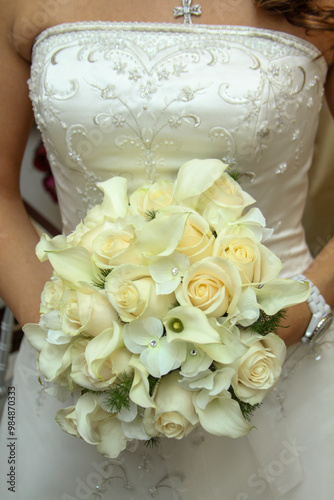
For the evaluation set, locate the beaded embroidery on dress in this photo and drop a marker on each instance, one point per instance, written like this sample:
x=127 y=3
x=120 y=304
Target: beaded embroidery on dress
x=138 y=100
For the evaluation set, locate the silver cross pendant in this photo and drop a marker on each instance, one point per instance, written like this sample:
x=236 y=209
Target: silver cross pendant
x=187 y=11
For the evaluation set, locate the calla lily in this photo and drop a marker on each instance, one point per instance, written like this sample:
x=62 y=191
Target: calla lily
x=168 y=271
x=67 y=420
x=189 y=324
x=36 y=335
x=115 y=203
x=54 y=360
x=140 y=390
x=228 y=349
x=74 y=265
x=222 y=416
x=47 y=244
x=160 y=236
x=281 y=293
x=196 y=176
x=248 y=308
x=254 y=221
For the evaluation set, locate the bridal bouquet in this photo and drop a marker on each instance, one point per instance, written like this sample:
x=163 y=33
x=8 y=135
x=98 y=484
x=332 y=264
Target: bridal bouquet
x=161 y=312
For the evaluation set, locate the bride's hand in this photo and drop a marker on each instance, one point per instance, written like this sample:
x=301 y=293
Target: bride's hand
x=295 y=323
x=321 y=273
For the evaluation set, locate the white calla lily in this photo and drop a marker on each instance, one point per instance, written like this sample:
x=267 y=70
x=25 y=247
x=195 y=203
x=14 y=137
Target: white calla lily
x=47 y=244
x=160 y=236
x=54 y=360
x=36 y=335
x=189 y=324
x=115 y=203
x=254 y=221
x=66 y=418
x=281 y=293
x=140 y=389
x=222 y=416
x=196 y=176
x=228 y=349
x=74 y=265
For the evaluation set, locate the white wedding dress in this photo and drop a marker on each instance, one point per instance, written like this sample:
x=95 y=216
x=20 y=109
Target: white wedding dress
x=138 y=100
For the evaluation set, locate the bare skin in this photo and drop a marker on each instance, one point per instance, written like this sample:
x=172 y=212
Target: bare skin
x=22 y=276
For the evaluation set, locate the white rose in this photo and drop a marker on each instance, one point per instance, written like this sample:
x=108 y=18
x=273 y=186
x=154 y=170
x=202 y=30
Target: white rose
x=154 y=197
x=212 y=285
x=52 y=294
x=131 y=291
x=197 y=240
x=96 y=363
x=256 y=263
x=258 y=371
x=224 y=201
x=88 y=312
x=174 y=415
x=114 y=246
x=99 y=427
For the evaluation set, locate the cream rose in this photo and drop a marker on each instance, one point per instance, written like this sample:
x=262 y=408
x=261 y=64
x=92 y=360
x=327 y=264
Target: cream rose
x=154 y=197
x=224 y=201
x=52 y=294
x=197 y=240
x=131 y=291
x=258 y=371
x=174 y=415
x=99 y=427
x=67 y=420
x=88 y=312
x=97 y=363
x=256 y=263
x=212 y=285
x=114 y=246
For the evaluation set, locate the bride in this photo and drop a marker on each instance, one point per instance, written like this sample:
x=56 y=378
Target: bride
x=124 y=88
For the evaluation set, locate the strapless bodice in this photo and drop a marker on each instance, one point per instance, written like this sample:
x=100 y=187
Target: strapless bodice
x=138 y=100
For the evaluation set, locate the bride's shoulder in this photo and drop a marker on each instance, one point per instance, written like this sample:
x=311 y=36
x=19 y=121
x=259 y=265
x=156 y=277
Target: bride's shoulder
x=23 y=20
x=20 y=23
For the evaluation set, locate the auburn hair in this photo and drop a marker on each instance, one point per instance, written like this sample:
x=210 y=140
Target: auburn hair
x=303 y=13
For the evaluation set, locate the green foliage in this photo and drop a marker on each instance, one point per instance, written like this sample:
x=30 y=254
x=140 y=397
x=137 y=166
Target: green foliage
x=153 y=381
x=235 y=174
x=118 y=395
x=247 y=409
x=150 y=443
x=267 y=324
x=101 y=281
x=150 y=214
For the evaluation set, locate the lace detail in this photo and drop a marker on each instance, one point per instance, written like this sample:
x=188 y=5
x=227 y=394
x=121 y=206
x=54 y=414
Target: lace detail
x=142 y=476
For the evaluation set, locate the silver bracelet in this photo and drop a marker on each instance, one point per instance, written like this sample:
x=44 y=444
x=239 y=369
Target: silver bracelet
x=322 y=315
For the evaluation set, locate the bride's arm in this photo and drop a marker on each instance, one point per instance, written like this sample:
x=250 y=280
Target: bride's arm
x=21 y=274
x=320 y=272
